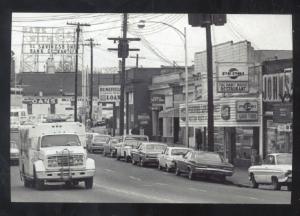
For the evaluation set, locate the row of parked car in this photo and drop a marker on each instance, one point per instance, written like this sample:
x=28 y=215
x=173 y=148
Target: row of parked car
x=137 y=149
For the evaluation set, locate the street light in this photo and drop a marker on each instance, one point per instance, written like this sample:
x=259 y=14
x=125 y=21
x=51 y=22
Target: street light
x=183 y=34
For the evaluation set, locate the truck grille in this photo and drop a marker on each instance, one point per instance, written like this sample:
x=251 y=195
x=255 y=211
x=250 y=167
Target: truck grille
x=65 y=160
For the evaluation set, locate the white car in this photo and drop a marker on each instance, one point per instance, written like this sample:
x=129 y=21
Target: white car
x=14 y=152
x=124 y=150
x=167 y=159
x=275 y=170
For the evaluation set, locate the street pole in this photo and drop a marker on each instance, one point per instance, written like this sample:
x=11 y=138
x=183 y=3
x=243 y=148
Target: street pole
x=210 y=104
x=91 y=83
x=186 y=92
x=76 y=65
x=121 y=132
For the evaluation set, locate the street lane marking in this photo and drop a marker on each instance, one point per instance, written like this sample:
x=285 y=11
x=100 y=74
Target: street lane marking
x=135 y=178
x=109 y=170
x=158 y=183
x=140 y=195
x=196 y=189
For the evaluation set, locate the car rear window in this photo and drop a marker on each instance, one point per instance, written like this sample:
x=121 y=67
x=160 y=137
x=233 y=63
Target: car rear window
x=155 y=148
x=137 y=138
x=179 y=151
x=284 y=159
x=208 y=157
x=101 y=139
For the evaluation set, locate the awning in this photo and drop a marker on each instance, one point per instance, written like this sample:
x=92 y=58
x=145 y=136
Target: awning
x=169 y=113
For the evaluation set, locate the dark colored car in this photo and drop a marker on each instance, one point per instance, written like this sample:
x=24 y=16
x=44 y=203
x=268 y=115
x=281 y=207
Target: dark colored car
x=109 y=148
x=147 y=153
x=206 y=164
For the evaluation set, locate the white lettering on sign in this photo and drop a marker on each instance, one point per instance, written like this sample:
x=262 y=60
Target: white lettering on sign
x=109 y=93
x=232 y=77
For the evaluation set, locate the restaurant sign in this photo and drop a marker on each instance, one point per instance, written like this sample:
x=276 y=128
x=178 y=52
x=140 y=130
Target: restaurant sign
x=232 y=78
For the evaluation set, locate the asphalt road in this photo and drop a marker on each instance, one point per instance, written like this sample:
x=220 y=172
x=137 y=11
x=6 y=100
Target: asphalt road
x=121 y=182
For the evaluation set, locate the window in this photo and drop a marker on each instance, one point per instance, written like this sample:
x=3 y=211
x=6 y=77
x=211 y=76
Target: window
x=29 y=109
x=270 y=160
x=275 y=87
x=284 y=159
x=179 y=151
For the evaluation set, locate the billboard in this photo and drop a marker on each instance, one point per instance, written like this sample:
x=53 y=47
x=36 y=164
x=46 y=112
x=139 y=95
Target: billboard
x=47 y=49
x=109 y=93
x=232 y=77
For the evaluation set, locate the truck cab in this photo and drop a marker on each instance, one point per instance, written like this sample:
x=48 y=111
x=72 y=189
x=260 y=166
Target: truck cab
x=54 y=152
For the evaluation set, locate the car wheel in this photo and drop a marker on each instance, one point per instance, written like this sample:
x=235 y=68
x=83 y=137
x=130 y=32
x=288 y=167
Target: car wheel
x=88 y=183
x=177 y=172
x=254 y=184
x=159 y=166
x=142 y=163
x=75 y=183
x=276 y=185
x=289 y=187
x=127 y=159
x=68 y=184
x=222 y=179
x=133 y=161
x=191 y=175
x=118 y=157
x=27 y=183
x=167 y=168
x=111 y=154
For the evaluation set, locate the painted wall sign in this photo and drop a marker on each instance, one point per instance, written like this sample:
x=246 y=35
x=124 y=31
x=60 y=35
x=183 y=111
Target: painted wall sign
x=228 y=112
x=282 y=113
x=246 y=110
x=109 y=93
x=232 y=78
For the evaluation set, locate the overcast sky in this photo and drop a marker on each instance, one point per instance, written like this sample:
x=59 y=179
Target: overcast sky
x=160 y=44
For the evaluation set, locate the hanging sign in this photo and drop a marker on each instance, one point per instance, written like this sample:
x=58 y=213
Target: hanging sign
x=232 y=78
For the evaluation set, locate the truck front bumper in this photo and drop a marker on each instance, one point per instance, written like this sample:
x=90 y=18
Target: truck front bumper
x=65 y=175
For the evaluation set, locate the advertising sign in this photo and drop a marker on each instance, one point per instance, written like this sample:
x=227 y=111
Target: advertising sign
x=42 y=44
x=232 y=78
x=143 y=118
x=109 y=93
x=157 y=100
x=246 y=110
x=40 y=100
x=282 y=113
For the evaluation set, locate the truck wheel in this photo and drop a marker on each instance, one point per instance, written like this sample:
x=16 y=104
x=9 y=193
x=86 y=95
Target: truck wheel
x=253 y=182
x=289 y=187
x=276 y=185
x=88 y=183
x=159 y=166
x=38 y=184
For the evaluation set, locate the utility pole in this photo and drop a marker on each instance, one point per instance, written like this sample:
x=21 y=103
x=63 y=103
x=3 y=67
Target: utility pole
x=137 y=58
x=76 y=63
x=206 y=20
x=91 y=44
x=123 y=51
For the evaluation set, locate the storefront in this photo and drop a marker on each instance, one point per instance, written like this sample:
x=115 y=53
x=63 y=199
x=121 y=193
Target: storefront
x=237 y=132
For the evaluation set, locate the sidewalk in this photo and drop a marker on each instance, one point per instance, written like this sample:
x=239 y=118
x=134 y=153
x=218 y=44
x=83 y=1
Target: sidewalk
x=240 y=177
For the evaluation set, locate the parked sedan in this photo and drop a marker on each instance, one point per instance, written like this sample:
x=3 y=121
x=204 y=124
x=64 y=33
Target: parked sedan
x=206 y=164
x=124 y=150
x=167 y=159
x=97 y=142
x=276 y=170
x=109 y=148
x=147 y=153
x=14 y=153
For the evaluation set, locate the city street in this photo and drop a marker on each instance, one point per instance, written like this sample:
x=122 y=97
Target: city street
x=120 y=182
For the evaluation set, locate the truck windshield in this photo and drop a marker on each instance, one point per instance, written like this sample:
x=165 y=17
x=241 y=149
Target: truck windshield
x=60 y=140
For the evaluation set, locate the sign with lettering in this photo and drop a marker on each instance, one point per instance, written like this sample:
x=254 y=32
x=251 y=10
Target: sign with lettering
x=40 y=101
x=246 y=110
x=158 y=100
x=109 y=93
x=232 y=78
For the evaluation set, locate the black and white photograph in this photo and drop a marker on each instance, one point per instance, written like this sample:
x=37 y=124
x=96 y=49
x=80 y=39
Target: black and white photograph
x=151 y=108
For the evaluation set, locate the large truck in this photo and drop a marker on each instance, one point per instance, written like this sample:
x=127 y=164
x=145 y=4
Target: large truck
x=54 y=152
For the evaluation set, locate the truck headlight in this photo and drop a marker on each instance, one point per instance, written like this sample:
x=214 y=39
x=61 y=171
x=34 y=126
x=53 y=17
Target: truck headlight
x=52 y=163
x=78 y=160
